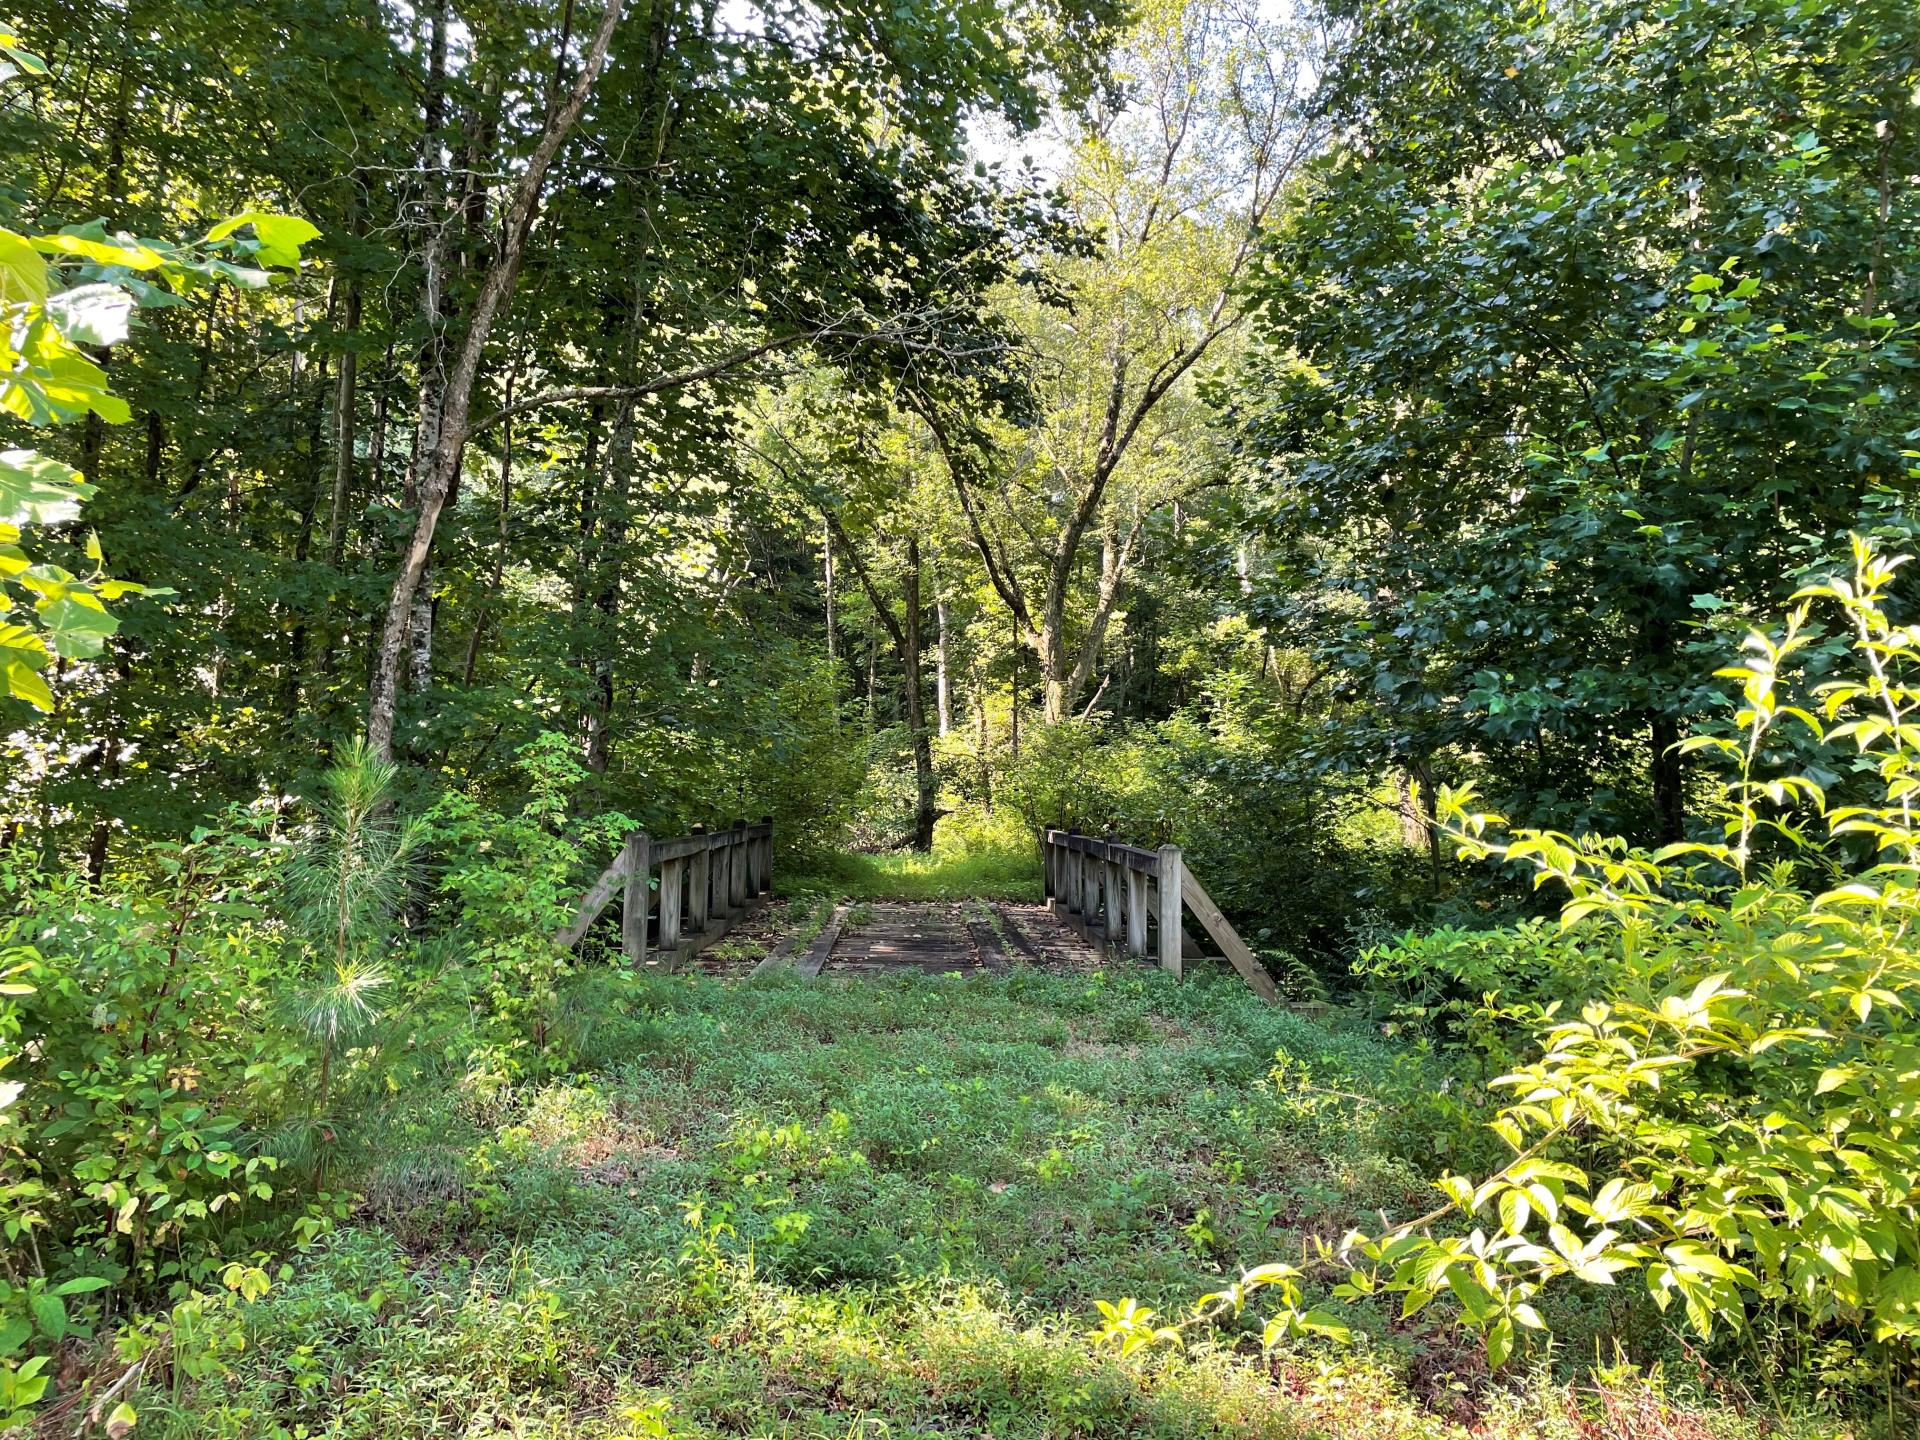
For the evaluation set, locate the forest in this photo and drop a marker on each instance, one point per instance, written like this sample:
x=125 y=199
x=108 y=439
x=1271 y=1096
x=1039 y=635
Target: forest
x=1007 y=718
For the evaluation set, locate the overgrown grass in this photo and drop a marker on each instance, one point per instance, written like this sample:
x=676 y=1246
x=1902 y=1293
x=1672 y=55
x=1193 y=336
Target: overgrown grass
x=974 y=856
x=998 y=874
x=881 y=1208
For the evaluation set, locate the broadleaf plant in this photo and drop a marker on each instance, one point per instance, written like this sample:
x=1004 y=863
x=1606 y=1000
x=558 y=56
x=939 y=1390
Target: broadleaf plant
x=1748 y=1075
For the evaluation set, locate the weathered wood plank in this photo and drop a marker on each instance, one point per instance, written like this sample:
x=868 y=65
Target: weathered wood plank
x=1136 y=913
x=633 y=909
x=672 y=879
x=986 y=939
x=808 y=966
x=1229 y=941
x=594 y=901
x=1017 y=935
x=1168 y=877
x=699 y=882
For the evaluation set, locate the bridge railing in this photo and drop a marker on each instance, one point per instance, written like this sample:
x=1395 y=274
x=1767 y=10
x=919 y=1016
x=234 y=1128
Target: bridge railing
x=1128 y=898
x=708 y=879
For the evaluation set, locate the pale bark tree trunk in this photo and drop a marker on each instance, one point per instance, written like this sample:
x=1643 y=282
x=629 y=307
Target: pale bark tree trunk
x=345 y=388
x=826 y=585
x=942 y=659
x=923 y=815
x=981 y=742
x=441 y=459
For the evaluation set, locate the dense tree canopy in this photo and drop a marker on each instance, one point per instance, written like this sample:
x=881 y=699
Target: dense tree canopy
x=453 y=446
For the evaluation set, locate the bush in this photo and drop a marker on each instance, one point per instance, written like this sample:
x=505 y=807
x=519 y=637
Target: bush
x=1218 y=781
x=1448 y=983
x=1732 y=1113
x=153 y=1136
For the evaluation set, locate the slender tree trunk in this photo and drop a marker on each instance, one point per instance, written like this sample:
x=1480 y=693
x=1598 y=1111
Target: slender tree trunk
x=443 y=459
x=613 y=538
x=982 y=743
x=1666 y=775
x=826 y=585
x=907 y=646
x=942 y=660
x=1013 y=698
x=917 y=706
x=345 y=395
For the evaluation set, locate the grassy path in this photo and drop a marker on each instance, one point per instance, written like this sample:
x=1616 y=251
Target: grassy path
x=770 y=1207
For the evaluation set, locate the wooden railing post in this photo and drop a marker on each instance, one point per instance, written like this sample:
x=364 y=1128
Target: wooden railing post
x=1136 y=913
x=699 y=885
x=633 y=907
x=763 y=879
x=1169 y=877
x=1047 y=891
x=737 y=868
x=1090 y=867
x=1116 y=889
x=672 y=877
x=1070 y=872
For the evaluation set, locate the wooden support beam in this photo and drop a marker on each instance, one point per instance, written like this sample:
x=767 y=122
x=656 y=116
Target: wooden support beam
x=1229 y=941
x=1015 y=934
x=672 y=881
x=699 y=883
x=633 y=910
x=737 y=868
x=1090 y=868
x=809 y=965
x=1168 y=882
x=594 y=901
x=1136 y=914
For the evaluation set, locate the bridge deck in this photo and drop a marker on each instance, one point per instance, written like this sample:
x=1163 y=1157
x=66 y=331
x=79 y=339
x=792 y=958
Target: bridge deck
x=959 y=937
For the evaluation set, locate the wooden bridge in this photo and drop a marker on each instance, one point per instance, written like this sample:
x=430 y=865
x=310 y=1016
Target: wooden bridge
x=1106 y=902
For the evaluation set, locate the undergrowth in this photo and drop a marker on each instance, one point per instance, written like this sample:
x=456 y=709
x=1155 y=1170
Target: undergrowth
x=943 y=874
x=887 y=1208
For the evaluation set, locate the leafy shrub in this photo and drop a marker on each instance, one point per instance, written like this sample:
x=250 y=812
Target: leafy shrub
x=511 y=878
x=1732 y=1113
x=1447 y=982
x=1217 y=780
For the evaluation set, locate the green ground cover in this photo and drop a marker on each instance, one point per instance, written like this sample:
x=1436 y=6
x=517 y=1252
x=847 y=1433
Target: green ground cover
x=773 y=1208
x=997 y=869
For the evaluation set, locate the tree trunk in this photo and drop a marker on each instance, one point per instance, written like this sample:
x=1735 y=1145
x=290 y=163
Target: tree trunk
x=344 y=395
x=613 y=535
x=907 y=645
x=826 y=585
x=917 y=706
x=942 y=685
x=443 y=458
x=1666 y=773
x=1053 y=658
x=981 y=743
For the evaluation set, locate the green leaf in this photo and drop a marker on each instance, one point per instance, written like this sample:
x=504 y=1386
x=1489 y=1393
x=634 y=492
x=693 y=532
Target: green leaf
x=38 y=490
x=279 y=237
x=49 y=1314
x=91 y=242
x=96 y=314
x=79 y=629
x=23 y=274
